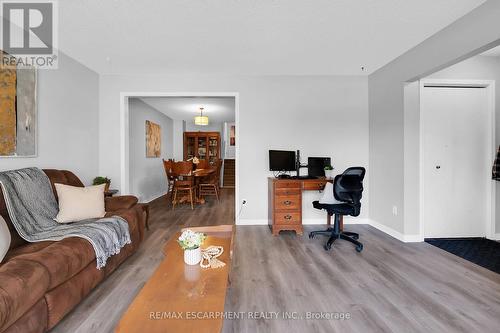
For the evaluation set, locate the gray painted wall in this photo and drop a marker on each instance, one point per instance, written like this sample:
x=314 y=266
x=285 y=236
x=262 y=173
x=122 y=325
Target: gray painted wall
x=412 y=159
x=178 y=141
x=480 y=68
x=68 y=121
x=470 y=35
x=312 y=113
x=147 y=176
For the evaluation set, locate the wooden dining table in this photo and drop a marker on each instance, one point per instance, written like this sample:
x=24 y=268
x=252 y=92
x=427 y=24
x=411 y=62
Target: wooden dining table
x=198 y=174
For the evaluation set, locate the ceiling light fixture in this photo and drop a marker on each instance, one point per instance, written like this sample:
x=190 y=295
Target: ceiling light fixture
x=201 y=120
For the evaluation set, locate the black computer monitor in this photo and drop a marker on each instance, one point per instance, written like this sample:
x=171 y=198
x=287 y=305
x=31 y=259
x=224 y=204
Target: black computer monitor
x=282 y=160
x=316 y=166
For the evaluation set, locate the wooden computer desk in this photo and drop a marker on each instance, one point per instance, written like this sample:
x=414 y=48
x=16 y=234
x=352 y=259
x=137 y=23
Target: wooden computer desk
x=285 y=202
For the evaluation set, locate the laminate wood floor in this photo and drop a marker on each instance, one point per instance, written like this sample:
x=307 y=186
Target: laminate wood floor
x=389 y=287
x=103 y=307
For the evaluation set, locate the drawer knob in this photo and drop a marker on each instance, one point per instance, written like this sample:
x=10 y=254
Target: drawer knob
x=288 y=217
x=287 y=202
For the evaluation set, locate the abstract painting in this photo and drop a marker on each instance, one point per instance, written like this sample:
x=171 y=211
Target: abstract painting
x=17 y=110
x=153 y=139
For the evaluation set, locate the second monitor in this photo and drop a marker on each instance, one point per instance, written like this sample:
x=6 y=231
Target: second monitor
x=316 y=166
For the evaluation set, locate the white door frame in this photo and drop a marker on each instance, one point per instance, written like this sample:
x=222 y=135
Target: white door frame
x=489 y=85
x=124 y=133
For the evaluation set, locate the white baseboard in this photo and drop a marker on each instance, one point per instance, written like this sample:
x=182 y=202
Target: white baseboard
x=413 y=239
x=391 y=232
x=495 y=237
x=347 y=220
x=385 y=229
x=396 y=234
x=252 y=222
x=153 y=197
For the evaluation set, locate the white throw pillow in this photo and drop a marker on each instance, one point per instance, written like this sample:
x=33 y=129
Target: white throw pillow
x=4 y=238
x=80 y=203
x=328 y=197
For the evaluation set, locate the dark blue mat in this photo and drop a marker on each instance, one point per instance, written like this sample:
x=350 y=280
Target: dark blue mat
x=481 y=251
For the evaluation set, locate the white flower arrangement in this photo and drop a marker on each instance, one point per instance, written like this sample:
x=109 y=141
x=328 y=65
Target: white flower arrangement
x=190 y=240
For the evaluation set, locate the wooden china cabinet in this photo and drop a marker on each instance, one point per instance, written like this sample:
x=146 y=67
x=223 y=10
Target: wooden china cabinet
x=204 y=145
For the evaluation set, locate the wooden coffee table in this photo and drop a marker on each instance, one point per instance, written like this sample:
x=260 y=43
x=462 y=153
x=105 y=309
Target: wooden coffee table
x=183 y=298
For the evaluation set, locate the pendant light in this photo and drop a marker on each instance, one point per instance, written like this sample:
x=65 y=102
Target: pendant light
x=201 y=120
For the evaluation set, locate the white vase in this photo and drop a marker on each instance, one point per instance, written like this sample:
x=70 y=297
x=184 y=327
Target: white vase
x=329 y=173
x=192 y=257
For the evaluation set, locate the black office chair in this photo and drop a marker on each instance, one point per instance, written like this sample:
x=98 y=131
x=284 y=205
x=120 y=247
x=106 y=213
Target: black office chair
x=347 y=188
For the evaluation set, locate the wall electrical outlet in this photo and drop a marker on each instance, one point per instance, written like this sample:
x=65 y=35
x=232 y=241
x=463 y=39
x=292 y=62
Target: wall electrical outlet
x=395 y=210
x=243 y=202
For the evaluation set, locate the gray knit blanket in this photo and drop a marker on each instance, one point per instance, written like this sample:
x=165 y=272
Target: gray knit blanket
x=32 y=207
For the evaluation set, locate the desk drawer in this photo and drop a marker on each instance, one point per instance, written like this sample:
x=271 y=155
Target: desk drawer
x=314 y=185
x=287 y=184
x=287 y=218
x=287 y=191
x=287 y=202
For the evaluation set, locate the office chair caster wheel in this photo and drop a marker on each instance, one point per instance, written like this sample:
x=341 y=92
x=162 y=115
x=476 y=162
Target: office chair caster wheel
x=327 y=247
x=311 y=235
x=359 y=248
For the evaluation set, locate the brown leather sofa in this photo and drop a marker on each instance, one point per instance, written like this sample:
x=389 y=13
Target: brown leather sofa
x=41 y=282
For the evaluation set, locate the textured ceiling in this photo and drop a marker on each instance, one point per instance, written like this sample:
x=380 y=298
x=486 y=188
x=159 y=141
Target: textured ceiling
x=218 y=109
x=250 y=37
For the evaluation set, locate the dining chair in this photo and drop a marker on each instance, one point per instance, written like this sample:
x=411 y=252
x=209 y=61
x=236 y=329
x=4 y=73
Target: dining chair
x=210 y=185
x=184 y=181
x=167 y=165
x=203 y=164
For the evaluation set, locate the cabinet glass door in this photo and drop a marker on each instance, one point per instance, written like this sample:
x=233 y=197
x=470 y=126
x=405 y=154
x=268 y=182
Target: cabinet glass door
x=191 y=147
x=213 y=151
x=202 y=147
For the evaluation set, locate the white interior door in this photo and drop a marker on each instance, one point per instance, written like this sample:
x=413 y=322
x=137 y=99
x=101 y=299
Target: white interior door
x=456 y=140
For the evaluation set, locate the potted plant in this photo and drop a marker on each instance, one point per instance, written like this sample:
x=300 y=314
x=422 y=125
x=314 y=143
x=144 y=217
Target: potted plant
x=190 y=241
x=328 y=171
x=102 y=180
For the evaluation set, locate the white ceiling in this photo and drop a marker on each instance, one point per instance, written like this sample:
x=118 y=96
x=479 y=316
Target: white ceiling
x=218 y=109
x=494 y=52
x=255 y=37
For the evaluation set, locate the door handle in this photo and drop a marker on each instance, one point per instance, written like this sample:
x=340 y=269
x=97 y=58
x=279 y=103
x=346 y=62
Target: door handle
x=288 y=217
x=287 y=202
